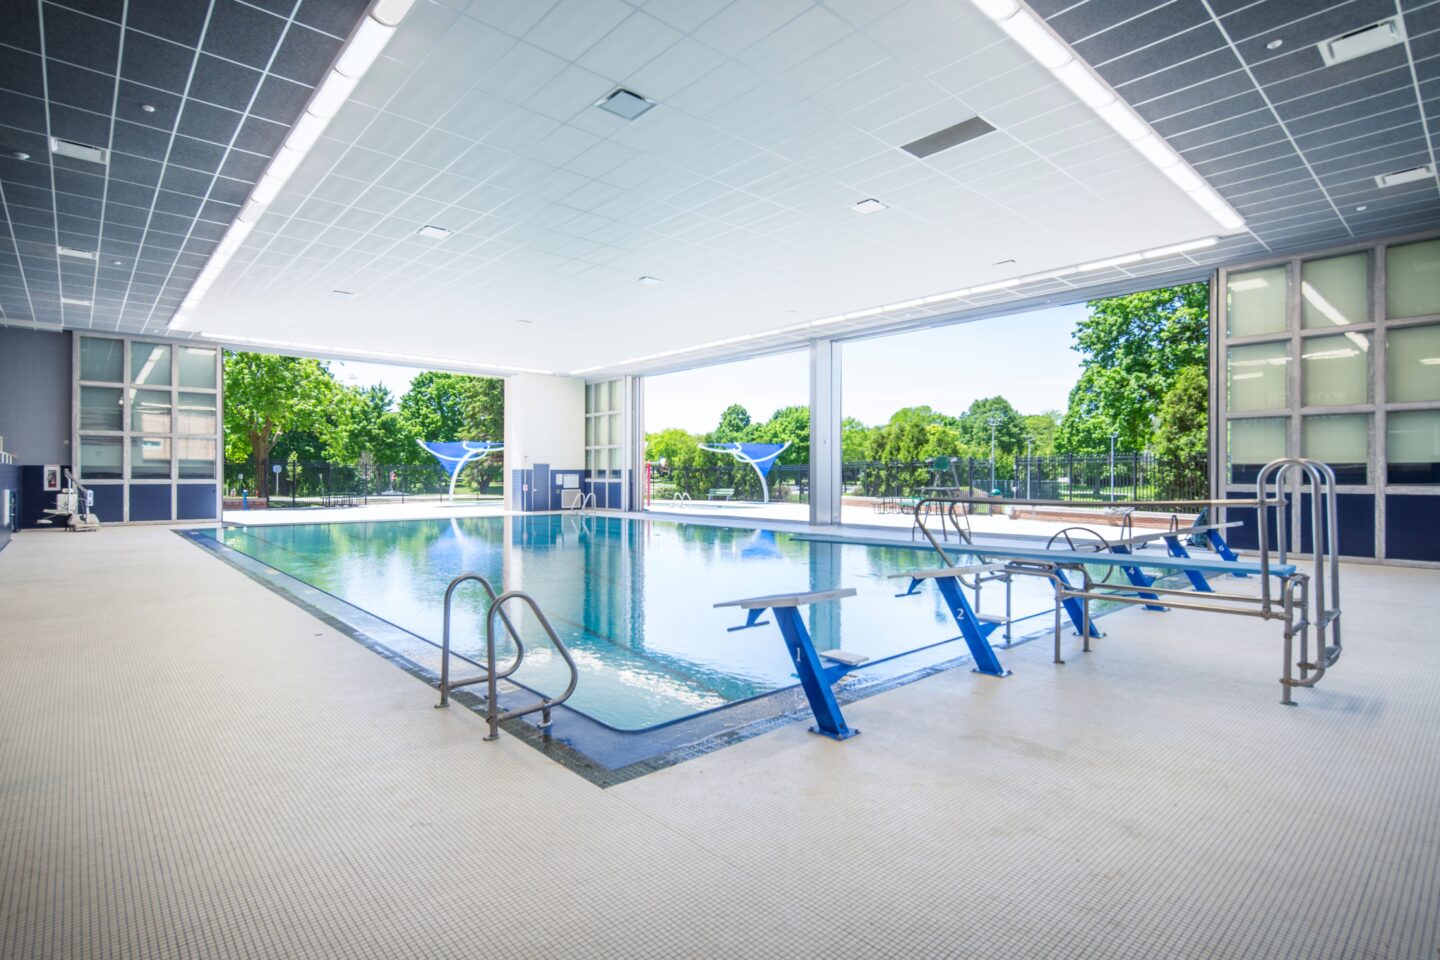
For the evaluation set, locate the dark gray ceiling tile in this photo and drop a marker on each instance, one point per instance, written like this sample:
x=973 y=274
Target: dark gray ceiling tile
x=85 y=207
x=131 y=195
x=1237 y=192
x=1276 y=148
x=230 y=191
x=22 y=23
x=223 y=83
x=1143 y=30
x=240 y=165
x=1226 y=130
x=304 y=55
x=1353 y=91
x=145 y=142
x=79 y=126
x=1187 y=72
x=124 y=167
x=196 y=154
x=1346 y=111
x=1366 y=124
x=335 y=17
x=26 y=195
x=182 y=180
x=1422 y=19
x=1242 y=179
x=1344 y=156
x=1215 y=90
x=1321 y=77
x=25 y=113
x=78 y=183
x=205 y=122
x=242 y=33
x=218 y=212
x=1299 y=25
x=1211 y=114
x=1087 y=19
x=156 y=63
x=83 y=89
x=179 y=205
x=20 y=71
x=77 y=38
x=261 y=136
x=280 y=100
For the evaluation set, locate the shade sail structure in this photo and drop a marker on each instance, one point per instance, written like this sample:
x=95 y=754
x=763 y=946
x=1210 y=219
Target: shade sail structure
x=456 y=455
x=761 y=456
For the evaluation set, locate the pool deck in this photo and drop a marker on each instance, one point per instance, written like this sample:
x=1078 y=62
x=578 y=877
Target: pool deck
x=191 y=766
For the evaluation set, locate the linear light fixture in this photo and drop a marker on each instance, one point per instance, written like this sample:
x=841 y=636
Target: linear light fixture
x=333 y=350
x=1031 y=33
x=356 y=57
x=1129 y=258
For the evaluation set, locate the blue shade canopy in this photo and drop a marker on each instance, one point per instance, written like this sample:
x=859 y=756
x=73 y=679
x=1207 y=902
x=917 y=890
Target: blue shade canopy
x=761 y=456
x=454 y=455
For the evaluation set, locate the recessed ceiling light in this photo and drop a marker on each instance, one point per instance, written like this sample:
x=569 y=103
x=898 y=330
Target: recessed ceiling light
x=1275 y=44
x=433 y=232
x=75 y=301
x=1357 y=43
x=648 y=281
x=867 y=207
x=1404 y=176
x=624 y=104
x=148 y=107
x=1001 y=263
x=524 y=321
x=1362 y=208
x=79 y=151
x=77 y=254
x=343 y=293
x=20 y=155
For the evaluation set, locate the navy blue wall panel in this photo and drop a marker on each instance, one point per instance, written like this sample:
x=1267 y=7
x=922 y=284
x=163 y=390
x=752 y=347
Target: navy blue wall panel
x=9 y=480
x=109 y=503
x=1246 y=536
x=1412 y=527
x=195 y=501
x=1354 y=521
x=149 y=502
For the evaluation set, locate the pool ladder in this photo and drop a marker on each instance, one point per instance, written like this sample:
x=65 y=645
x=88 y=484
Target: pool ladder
x=492 y=676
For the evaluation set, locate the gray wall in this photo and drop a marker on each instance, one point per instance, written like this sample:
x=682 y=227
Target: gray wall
x=35 y=395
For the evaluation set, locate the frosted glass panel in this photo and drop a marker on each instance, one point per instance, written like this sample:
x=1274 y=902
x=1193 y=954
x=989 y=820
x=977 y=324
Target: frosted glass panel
x=1257 y=375
x=100 y=458
x=102 y=359
x=150 y=363
x=149 y=457
x=1412 y=356
x=1334 y=291
x=1254 y=443
x=150 y=411
x=1256 y=302
x=196 y=458
x=1413 y=446
x=1336 y=370
x=1343 y=441
x=197 y=367
x=602 y=431
x=614 y=395
x=196 y=413
x=101 y=408
x=1412 y=279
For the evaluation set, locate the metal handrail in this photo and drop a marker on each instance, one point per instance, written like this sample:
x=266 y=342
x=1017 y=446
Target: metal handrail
x=445 y=685
x=493 y=715
x=588 y=497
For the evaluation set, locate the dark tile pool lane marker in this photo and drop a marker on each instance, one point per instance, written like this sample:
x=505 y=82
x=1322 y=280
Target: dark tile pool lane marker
x=603 y=755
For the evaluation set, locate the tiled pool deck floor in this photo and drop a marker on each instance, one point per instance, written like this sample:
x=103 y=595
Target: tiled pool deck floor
x=193 y=766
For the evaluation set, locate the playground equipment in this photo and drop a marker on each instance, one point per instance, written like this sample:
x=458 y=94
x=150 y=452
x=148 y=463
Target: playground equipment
x=456 y=455
x=761 y=456
x=74 y=505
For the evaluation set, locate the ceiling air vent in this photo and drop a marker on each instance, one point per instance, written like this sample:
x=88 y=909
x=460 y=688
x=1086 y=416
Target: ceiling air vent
x=949 y=137
x=1404 y=176
x=79 y=151
x=1357 y=43
x=624 y=104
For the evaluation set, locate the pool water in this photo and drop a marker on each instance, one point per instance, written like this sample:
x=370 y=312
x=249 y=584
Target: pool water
x=632 y=599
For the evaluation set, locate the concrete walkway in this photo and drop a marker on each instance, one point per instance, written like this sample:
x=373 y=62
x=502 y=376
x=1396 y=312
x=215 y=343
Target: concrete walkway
x=192 y=767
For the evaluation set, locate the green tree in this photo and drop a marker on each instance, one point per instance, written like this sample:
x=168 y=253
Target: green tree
x=1041 y=427
x=1009 y=428
x=786 y=425
x=1134 y=347
x=733 y=424
x=366 y=422
x=434 y=406
x=1182 y=434
x=268 y=396
x=853 y=438
x=484 y=408
x=676 y=447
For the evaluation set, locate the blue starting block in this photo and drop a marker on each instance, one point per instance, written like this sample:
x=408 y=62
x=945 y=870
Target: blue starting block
x=815 y=678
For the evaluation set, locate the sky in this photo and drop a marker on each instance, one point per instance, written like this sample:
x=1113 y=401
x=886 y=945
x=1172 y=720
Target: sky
x=364 y=374
x=1025 y=358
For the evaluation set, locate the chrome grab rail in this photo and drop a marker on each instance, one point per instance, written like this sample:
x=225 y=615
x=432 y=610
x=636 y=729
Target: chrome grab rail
x=493 y=675
x=589 y=498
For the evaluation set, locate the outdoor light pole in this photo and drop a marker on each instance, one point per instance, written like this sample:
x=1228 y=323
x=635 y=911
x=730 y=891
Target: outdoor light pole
x=1112 y=465
x=1029 y=445
x=994 y=422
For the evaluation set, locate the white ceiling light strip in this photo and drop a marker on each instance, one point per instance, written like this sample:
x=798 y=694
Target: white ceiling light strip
x=333 y=350
x=1028 y=30
x=359 y=53
x=1157 y=253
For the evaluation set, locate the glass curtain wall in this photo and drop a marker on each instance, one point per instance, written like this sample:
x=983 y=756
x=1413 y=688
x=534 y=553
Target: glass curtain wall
x=1336 y=357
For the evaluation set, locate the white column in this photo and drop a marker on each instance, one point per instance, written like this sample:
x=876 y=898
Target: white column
x=544 y=423
x=824 y=432
x=634 y=449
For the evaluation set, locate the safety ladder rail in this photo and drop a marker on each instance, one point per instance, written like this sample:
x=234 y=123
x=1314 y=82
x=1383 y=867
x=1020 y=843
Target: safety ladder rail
x=492 y=675
x=586 y=498
x=1314 y=611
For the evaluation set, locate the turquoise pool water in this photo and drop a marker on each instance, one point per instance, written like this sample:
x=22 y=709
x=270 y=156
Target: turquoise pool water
x=633 y=599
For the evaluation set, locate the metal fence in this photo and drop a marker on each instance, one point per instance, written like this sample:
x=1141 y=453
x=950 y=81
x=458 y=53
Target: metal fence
x=729 y=481
x=304 y=483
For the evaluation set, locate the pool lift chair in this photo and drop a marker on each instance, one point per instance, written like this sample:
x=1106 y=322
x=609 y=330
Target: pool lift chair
x=493 y=673
x=74 y=505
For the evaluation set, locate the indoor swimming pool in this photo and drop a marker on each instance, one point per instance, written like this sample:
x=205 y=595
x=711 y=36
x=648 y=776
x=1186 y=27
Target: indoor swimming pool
x=632 y=599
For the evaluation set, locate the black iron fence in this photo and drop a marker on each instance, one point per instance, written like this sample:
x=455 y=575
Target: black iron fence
x=304 y=483
x=1126 y=476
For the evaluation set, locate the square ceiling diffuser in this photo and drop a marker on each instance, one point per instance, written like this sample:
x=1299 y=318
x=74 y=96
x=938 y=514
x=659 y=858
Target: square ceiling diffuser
x=624 y=104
